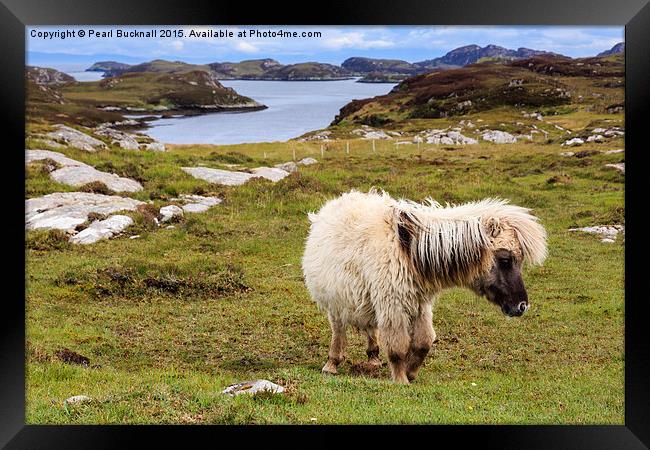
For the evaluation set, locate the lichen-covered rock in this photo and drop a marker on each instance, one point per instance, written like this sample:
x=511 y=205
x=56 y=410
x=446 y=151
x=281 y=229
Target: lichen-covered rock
x=253 y=387
x=154 y=146
x=499 y=137
x=75 y=138
x=102 y=229
x=122 y=139
x=288 y=166
x=65 y=210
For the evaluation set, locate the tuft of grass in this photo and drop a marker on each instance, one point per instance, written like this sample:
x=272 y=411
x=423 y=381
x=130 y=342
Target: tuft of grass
x=96 y=187
x=46 y=240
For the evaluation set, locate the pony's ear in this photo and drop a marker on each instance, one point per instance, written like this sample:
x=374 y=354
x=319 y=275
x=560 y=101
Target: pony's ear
x=493 y=226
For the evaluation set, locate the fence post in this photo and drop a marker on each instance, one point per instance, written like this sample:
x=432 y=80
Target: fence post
x=373 y=146
x=347 y=147
x=322 y=154
x=294 y=153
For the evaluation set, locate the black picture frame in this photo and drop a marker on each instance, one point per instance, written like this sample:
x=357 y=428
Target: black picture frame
x=15 y=15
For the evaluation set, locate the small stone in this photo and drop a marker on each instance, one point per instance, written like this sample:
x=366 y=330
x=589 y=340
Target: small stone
x=573 y=142
x=135 y=236
x=617 y=166
x=77 y=399
x=253 y=387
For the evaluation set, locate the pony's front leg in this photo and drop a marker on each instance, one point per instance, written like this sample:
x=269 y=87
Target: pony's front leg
x=421 y=341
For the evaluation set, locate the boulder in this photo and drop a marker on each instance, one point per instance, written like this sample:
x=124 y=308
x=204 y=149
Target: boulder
x=65 y=210
x=253 y=387
x=445 y=137
x=75 y=138
x=617 y=166
x=288 y=166
x=498 y=137
x=120 y=138
x=154 y=146
x=307 y=161
x=169 y=212
x=102 y=229
x=77 y=399
x=573 y=142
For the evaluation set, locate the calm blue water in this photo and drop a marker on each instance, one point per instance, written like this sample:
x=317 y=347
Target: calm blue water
x=294 y=108
x=86 y=76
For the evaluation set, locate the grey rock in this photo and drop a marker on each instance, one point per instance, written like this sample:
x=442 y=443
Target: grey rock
x=253 y=387
x=219 y=176
x=35 y=155
x=573 y=142
x=75 y=138
x=155 y=147
x=498 y=137
x=270 y=173
x=617 y=166
x=288 y=166
x=80 y=175
x=307 y=161
x=604 y=231
x=65 y=210
x=102 y=229
x=169 y=212
x=198 y=203
x=120 y=138
x=613 y=152
x=77 y=399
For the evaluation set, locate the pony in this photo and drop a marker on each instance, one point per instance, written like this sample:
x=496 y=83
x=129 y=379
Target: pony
x=377 y=264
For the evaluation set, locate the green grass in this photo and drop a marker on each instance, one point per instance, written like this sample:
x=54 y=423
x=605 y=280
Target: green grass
x=170 y=319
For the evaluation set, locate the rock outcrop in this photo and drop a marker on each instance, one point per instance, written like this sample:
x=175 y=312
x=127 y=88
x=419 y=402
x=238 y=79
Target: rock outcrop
x=75 y=138
x=65 y=210
x=76 y=173
x=234 y=178
x=102 y=229
x=253 y=387
x=499 y=137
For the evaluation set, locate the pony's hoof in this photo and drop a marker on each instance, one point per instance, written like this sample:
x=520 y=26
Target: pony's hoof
x=329 y=369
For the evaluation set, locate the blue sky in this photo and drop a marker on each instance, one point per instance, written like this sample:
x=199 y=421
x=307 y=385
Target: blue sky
x=411 y=43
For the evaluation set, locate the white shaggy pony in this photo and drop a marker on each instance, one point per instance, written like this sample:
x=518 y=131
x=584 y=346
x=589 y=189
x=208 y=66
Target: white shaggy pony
x=377 y=263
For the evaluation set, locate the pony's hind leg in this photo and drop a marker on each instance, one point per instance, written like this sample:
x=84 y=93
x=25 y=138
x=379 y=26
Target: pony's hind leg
x=394 y=333
x=373 y=347
x=337 y=346
x=421 y=341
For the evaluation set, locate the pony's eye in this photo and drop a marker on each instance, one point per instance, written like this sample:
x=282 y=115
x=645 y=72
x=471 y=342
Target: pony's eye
x=505 y=261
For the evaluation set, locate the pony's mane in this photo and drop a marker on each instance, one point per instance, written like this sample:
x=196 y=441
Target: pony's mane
x=452 y=241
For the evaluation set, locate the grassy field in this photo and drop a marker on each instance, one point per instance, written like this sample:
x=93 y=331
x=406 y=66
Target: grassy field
x=170 y=319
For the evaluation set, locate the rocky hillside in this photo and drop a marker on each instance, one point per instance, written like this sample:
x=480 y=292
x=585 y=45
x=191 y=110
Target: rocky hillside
x=471 y=54
x=46 y=76
x=159 y=91
x=362 y=66
x=107 y=67
x=93 y=103
x=615 y=50
x=249 y=69
x=539 y=82
x=260 y=69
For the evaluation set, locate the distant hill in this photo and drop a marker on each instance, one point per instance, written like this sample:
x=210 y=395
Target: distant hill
x=107 y=66
x=259 y=69
x=387 y=70
x=540 y=82
x=471 y=54
x=618 y=48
